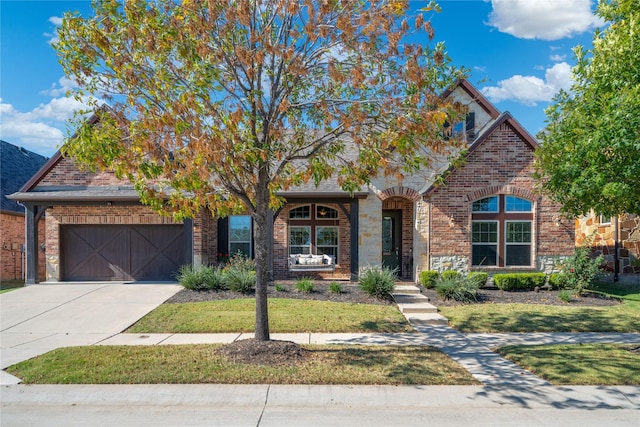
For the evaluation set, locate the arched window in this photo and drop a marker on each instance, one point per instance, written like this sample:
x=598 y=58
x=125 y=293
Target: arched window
x=501 y=231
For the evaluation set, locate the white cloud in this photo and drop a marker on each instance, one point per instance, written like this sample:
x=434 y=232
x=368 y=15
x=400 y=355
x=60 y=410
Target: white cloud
x=557 y=58
x=40 y=130
x=529 y=90
x=61 y=88
x=543 y=19
x=53 y=37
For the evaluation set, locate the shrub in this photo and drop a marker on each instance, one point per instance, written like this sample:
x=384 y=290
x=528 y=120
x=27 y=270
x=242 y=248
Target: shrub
x=239 y=279
x=191 y=277
x=519 y=281
x=428 y=278
x=457 y=288
x=240 y=261
x=558 y=280
x=451 y=274
x=213 y=278
x=305 y=285
x=335 y=288
x=280 y=288
x=378 y=281
x=478 y=278
x=564 y=296
x=581 y=269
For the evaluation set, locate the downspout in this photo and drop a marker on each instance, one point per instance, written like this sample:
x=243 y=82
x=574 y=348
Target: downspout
x=616 y=234
x=429 y=236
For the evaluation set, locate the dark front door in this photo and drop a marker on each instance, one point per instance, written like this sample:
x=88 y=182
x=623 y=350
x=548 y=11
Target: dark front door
x=121 y=252
x=391 y=239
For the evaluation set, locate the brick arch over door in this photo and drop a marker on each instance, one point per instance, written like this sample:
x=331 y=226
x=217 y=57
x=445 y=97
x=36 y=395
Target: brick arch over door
x=400 y=191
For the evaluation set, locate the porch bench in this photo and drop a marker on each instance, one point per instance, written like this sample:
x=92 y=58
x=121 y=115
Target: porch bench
x=302 y=262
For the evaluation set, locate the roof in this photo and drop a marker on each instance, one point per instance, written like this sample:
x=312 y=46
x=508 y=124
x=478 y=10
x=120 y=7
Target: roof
x=17 y=166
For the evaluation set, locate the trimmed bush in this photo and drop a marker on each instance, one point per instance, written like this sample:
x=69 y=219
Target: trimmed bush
x=451 y=274
x=304 y=285
x=280 y=288
x=239 y=279
x=428 y=278
x=378 y=281
x=478 y=278
x=457 y=288
x=558 y=280
x=519 y=281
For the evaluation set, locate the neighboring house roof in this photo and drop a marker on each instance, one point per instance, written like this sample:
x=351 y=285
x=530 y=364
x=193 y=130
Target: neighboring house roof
x=17 y=166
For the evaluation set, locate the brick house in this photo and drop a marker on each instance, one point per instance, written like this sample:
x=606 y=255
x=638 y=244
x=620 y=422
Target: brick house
x=485 y=217
x=18 y=165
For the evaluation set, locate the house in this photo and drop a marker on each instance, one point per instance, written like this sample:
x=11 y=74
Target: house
x=617 y=239
x=486 y=217
x=17 y=165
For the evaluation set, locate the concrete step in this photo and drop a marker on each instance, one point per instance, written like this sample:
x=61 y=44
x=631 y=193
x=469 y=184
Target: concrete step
x=427 y=319
x=406 y=289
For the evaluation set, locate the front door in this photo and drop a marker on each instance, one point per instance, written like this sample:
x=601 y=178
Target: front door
x=391 y=239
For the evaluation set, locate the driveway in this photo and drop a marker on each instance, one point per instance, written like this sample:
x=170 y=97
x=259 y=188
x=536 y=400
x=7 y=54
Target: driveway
x=39 y=318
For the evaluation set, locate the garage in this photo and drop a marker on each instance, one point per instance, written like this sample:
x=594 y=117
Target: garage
x=122 y=252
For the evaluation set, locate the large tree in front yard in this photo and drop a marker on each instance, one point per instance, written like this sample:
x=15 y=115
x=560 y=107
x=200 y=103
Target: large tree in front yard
x=221 y=104
x=590 y=153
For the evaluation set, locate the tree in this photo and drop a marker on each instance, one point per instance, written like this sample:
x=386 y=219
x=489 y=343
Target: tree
x=590 y=152
x=222 y=104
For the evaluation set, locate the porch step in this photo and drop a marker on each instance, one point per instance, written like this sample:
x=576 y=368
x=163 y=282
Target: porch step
x=406 y=289
x=414 y=303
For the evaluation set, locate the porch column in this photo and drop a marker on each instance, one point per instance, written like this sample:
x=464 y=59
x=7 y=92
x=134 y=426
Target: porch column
x=355 y=232
x=31 y=242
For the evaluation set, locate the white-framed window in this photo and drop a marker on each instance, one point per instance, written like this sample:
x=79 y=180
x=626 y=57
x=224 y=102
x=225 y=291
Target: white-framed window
x=240 y=235
x=325 y=212
x=518 y=243
x=484 y=248
x=502 y=231
x=327 y=241
x=299 y=240
x=604 y=219
x=301 y=212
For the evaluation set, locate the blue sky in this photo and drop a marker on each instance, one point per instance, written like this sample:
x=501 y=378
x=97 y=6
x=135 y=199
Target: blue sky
x=518 y=51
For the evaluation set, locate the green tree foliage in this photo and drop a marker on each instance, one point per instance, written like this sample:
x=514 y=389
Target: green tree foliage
x=590 y=155
x=222 y=104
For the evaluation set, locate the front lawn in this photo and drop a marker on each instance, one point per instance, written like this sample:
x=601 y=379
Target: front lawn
x=201 y=364
x=501 y=318
x=285 y=315
x=579 y=364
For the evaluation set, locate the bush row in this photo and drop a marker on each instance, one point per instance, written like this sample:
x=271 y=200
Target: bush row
x=429 y=278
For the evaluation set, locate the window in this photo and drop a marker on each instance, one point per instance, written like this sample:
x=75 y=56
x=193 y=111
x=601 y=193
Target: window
x=604 y=219
x=240 y=235
x=501 y=231
x=327 y=241
x=314 y=229
x=299 y=240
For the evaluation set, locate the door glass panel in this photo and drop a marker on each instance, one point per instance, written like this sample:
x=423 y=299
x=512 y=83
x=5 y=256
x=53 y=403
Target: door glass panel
x=387 y=234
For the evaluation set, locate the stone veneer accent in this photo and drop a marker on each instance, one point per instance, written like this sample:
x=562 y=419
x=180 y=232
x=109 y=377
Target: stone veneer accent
x=369 y=241
x=601 y=237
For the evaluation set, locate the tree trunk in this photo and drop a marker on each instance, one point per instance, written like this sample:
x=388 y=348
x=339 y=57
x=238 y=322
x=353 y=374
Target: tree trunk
x=262 y=248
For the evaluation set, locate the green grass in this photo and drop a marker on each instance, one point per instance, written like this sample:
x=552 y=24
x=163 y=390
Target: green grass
x=624 y=317
x=285 y=315
x=579 y=364
x=200 y=364
x=9 y=285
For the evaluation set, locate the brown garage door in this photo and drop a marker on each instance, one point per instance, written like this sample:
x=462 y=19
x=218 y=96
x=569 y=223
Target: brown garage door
x=121 y=252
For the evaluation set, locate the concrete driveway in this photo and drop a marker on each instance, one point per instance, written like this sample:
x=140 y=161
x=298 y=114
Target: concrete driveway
x=39 y=318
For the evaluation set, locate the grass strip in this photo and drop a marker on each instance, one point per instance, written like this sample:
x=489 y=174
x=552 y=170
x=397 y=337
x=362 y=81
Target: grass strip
x=499 y=318
x=200 y=364
x=285 y=315
x=579 y=364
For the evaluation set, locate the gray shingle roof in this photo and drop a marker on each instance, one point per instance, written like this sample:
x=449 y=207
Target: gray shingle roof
x=17 y=166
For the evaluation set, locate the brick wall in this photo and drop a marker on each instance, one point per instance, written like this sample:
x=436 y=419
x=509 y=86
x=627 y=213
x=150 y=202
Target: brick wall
x=502 y=165
x=12 y=257
x=66 y=172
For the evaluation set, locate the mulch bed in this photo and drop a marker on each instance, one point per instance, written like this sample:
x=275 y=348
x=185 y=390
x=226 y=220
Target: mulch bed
x=351 y=293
